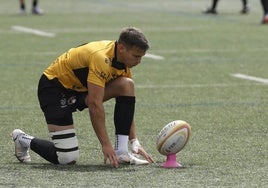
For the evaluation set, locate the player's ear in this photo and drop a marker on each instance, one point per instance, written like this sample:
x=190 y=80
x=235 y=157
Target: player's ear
x=121 y=47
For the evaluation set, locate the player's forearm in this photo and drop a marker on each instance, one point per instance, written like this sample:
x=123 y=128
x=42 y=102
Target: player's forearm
x=98 y=122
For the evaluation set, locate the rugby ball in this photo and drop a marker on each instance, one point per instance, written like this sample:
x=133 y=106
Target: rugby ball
x=173 y=137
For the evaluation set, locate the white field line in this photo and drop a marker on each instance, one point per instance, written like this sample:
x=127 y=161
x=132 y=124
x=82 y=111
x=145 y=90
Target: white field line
x=251 y=78
x=191 y=86
x=194 y=50
x=111 y=30
x=152 y=56
x=33 y=31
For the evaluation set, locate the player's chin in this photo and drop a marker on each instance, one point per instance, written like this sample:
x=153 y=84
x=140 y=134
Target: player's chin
x=133 y=65
x=130 y=66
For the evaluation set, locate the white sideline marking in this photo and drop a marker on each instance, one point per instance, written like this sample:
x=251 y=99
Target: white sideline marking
x=152 y=56
x=33 y=31
x=252 y=78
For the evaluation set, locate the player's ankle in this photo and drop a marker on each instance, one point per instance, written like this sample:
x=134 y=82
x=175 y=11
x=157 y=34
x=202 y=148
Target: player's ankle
x=25 y=140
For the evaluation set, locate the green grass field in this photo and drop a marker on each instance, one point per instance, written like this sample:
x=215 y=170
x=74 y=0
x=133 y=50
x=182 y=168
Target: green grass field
x=193 y=81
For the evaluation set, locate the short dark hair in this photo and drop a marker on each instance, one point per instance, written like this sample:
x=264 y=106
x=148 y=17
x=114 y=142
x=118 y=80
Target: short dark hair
x=133 y=37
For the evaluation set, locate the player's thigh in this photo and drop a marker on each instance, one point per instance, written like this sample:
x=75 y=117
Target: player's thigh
x=59 y=103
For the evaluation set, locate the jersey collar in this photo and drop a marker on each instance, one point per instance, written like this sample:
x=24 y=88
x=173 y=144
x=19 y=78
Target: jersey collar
x=116 y=64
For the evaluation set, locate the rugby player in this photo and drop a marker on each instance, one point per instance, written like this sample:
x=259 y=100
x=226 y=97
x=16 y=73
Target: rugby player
x=85 y=77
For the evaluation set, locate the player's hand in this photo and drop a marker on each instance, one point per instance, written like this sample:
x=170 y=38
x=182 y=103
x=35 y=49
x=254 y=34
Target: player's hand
x=138 y=149
x=109 y=153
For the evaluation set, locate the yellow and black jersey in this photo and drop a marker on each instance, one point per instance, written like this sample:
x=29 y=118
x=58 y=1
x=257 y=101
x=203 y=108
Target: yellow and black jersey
x=94 y=62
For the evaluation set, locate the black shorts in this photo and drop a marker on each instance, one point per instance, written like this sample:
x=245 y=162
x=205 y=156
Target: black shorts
x=58 y=103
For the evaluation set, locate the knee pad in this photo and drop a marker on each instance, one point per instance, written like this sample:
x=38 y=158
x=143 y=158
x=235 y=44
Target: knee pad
x=66 y=145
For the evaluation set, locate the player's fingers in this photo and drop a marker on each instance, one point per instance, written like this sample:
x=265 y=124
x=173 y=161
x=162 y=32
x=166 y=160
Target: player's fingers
x=150 y=159
x=105 y=159
x=113 y=161
x=146 y=156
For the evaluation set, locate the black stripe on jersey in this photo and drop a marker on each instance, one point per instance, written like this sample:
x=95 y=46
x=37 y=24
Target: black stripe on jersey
x=63 y=136
x=81 y=45
x=82 y=74
x=118 y=65
x=66 y=150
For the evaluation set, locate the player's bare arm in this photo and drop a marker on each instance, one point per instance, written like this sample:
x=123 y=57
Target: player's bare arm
x=97 y=116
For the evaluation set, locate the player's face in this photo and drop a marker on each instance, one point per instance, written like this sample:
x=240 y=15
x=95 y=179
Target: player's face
x=131 y=57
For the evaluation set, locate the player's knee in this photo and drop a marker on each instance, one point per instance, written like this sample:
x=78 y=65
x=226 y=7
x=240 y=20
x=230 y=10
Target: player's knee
x=68 y=157
x=126 y=85
x=66 y=145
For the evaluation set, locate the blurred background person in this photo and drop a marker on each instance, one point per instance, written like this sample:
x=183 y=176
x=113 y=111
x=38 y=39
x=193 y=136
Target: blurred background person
x=35 y=8
x=213 y=8
x=264 y=4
